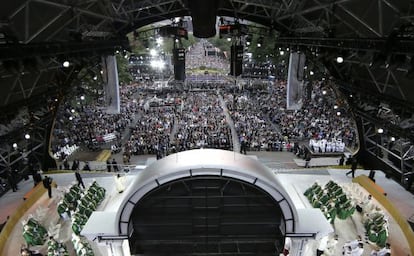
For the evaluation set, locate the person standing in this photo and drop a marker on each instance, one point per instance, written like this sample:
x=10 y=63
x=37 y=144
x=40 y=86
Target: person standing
x=11 y=178
x=75 y=165
x=354 y=165
x=120 y=183
x=108 y=165
x=79 y=179
x=341 y=160
x=47 y=184
x=307 y=160
x=115 y=165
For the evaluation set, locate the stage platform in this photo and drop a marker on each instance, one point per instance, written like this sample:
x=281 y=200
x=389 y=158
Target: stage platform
x=295 y=181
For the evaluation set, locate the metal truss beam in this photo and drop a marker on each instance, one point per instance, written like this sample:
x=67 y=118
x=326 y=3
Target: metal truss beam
x=311 y=9
x=400 y=45
x=23 y=51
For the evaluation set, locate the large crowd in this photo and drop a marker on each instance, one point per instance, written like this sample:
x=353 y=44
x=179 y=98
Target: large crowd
x=79 y=123
x=211 y=57
x=169 y=118
x=202 y=123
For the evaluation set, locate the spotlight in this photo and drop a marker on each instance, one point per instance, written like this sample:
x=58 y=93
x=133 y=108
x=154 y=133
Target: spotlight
x=335 y=107
x=14 y=145
x=380 y=130
x=324 y=92
x=338 y=113
x=70 y=118
x=27 y=136
x=73 y=110
x=392 y=138
x=229 y=39
x=282 y=53
x=339 y=59
x=65 y=64
x=153 y=52
x=82 y=97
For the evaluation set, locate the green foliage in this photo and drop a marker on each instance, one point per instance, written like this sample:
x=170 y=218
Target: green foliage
x=221 y=43
x=124 y=76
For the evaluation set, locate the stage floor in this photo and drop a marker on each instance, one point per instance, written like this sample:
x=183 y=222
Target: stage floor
x=283 y=164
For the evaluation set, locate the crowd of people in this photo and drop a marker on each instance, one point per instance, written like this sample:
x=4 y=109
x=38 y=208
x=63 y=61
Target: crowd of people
x=170 y=119
x=252 y=126
x=202 y=123
x=322 y=115
x=212 y=58
x=151 y=134
x=89 y=125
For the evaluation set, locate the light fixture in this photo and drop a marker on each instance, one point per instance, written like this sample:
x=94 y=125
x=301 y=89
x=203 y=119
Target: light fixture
x=338 y=113
x=335 y=107
x=14 y=145
x=392 y=138
x=324 y=92
x=311 y=73
x=82 y=97
x=153 y=52
x=229 y=39
x=27 y=136
x=282 y=53
x=380 y=130
x=66 y=64
x=339 y=59
x=101 y=72
x=95 y=78
x=70 y=118
x=72 y=110
x=159 y=40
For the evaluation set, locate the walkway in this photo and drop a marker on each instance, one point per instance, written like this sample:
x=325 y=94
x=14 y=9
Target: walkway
x=234 y=136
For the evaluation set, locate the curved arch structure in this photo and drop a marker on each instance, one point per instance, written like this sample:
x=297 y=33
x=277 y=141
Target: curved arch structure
x=115 y=226
x=206 y=162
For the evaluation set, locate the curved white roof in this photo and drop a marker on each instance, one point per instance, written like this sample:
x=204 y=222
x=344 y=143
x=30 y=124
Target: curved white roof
x=206 y=162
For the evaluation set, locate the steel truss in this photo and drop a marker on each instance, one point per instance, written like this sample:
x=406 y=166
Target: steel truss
x=395 y=152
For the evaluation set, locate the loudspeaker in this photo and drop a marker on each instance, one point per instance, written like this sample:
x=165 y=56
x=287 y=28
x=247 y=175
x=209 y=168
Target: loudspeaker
x=179 y=64
x=236 y=60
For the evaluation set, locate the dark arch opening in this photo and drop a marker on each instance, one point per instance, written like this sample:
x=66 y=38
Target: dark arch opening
x=206 y=215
